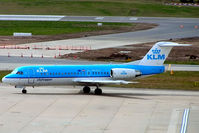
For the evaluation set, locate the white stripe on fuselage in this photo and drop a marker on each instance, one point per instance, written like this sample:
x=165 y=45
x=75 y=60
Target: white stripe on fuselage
x=47 y=81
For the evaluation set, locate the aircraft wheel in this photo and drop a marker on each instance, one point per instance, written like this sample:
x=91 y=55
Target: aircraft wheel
x=98 y=91
x=86 y=89
x=24 y=91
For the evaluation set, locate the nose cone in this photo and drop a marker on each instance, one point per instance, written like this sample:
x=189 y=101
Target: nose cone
x=4 y=79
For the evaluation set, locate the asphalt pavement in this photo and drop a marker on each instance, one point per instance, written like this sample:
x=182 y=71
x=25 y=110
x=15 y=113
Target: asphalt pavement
x=66 y=109
x=169 y=28
x=10 y=63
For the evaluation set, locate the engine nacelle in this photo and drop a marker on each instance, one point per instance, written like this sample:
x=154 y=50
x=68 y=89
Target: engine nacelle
x=124 y=73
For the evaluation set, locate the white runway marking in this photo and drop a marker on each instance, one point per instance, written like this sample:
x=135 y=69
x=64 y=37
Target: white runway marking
x=133 y=18
x=184 y=121
x=99 y=18
x=31 y=17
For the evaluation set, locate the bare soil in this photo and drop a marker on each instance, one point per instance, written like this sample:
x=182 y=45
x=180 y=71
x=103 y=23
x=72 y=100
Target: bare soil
x=11 y=40
x=136 y=52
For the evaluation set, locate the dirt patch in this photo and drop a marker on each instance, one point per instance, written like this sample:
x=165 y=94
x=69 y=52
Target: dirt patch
x=10 y=40
x=136 y=52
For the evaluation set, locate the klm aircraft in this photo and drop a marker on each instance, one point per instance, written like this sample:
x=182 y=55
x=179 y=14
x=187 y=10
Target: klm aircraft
x=92 y=75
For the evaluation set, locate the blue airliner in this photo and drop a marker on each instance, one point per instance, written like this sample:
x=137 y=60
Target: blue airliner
x=92 y=75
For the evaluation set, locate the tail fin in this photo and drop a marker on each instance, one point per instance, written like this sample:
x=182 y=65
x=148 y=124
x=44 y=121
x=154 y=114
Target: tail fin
x=158 y=53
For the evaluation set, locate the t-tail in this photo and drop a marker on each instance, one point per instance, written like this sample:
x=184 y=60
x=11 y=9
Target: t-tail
x=158 y=53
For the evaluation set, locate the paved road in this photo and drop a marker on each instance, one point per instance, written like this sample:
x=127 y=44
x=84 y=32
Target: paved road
x=66 y=109
x=9 y=63
x=168 y=28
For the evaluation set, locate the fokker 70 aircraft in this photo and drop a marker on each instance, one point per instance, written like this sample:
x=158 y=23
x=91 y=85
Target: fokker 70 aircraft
x=92 y=75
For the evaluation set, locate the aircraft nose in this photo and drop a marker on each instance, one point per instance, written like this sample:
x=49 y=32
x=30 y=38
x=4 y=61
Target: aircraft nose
x=4 y=79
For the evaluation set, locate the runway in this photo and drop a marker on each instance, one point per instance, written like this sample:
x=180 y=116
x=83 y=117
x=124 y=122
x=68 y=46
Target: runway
x=169 y=28
x=10 y=63
x=66 y=109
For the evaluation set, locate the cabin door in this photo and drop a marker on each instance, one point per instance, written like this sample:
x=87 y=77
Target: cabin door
x=31 y=76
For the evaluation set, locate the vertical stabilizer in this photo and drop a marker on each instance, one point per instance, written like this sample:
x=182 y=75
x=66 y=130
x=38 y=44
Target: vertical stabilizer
x=158 y=53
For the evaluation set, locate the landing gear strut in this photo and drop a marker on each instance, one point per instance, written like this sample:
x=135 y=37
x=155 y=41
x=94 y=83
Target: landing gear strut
x=24 y=91
x=86 y=89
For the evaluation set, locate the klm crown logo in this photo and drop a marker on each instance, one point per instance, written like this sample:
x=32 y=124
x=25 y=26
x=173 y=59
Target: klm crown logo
x=156 y=51
x=156 y=55
x=123 y=73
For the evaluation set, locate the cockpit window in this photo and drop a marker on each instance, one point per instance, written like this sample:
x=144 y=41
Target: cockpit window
x=20 y=73
x=14 y=72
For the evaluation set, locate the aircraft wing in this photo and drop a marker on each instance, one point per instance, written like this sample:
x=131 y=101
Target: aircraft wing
x=101 y=82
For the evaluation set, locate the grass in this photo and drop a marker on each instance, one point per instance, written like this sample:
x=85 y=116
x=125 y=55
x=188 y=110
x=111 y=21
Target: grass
x=183 y=62
x=180 y=80
x=55 y=28
x=3 y=73
x=96 y=8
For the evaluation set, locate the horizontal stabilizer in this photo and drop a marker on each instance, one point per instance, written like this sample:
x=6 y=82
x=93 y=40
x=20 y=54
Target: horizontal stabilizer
x=171 y=44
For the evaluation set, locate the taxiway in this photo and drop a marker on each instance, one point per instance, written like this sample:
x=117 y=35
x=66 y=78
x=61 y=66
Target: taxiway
x=169 y=28
x=67 y=109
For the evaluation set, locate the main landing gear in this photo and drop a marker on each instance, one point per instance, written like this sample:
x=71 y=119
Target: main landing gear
x=87 y=90
x=98 y=91
x=24 y=91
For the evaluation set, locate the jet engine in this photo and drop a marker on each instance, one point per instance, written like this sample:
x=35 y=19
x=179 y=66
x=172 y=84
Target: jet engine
x=124 y=73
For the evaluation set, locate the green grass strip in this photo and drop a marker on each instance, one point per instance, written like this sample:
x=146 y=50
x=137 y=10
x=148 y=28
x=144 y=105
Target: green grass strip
x=55 y=28
x=180 y=80
x=96 y=7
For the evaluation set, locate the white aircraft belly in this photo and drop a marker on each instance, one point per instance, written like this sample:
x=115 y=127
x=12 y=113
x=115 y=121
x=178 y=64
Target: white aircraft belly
x=50 y=81
x=53 y=81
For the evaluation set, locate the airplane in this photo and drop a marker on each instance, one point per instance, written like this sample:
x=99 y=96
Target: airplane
x=92 y=75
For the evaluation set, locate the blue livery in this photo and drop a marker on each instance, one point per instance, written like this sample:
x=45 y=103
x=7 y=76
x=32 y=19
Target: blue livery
x=92 y=75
